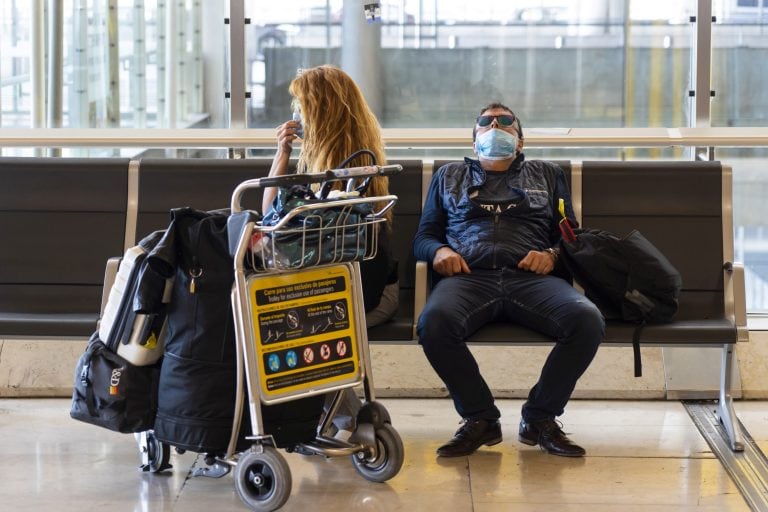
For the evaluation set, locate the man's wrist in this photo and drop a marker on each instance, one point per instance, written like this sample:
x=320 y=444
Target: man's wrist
x=554 y=253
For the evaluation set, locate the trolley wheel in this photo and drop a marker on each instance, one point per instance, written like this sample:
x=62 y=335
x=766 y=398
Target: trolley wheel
x=374 y=413
x=157 y=453
x=263 y=480
x=387 y=460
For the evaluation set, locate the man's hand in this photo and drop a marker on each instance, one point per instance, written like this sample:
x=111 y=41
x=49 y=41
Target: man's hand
x=448 y=262
x=538 y=262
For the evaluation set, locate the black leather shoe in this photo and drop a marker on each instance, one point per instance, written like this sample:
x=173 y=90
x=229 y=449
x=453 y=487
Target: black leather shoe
x=547 y=434
x=472 y=435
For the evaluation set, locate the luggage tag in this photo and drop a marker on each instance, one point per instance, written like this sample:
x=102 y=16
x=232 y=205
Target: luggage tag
x=565 y=226
x=194 y=273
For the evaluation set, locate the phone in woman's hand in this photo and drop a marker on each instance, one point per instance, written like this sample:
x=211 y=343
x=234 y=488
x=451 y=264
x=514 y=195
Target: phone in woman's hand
x=300 y=130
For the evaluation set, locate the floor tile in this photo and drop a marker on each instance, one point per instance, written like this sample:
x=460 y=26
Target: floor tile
x=754 y=416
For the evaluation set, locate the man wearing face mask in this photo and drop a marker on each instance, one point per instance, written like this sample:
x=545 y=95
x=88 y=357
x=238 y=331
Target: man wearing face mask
x=489 y=228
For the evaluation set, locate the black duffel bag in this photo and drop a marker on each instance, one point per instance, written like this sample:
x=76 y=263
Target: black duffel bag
x=112 y=393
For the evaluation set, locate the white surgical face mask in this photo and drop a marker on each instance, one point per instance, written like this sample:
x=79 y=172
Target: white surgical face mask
x=496 y=144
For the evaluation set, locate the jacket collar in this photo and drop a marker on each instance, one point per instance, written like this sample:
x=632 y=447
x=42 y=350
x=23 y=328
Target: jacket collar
x=478 y=173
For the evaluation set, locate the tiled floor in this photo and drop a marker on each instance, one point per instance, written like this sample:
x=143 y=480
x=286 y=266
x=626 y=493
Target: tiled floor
x=641 y=456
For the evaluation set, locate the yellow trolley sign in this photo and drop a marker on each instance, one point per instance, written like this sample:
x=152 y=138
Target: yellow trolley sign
x=304 y=327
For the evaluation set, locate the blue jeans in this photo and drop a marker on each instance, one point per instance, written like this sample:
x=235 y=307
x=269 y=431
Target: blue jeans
x=460 y=305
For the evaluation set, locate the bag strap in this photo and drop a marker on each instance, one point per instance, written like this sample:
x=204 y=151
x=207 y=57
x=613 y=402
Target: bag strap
x=326 y=187
x=90 y=400
x=566 y=231
x=636 y=349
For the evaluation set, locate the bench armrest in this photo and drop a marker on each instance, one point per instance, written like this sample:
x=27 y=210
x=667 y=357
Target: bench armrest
x=110 y=272
x=421 y=292
x=735 y=290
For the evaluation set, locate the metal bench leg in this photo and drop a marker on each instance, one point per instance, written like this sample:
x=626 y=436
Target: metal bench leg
x=725 y=406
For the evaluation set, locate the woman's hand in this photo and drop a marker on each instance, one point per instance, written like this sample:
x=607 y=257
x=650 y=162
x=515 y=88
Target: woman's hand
x=286 y=134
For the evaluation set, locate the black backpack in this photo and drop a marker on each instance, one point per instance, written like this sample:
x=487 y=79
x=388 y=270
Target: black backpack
x=197 y=383
x=627 y=278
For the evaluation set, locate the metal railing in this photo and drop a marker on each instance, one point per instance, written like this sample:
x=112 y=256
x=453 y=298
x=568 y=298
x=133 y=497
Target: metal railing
x=393 y=137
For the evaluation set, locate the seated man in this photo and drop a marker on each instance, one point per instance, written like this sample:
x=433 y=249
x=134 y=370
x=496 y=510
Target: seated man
x=489 y=227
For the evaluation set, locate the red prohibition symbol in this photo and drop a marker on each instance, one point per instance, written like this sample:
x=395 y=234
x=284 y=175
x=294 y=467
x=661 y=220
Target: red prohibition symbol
x=309 y=355
x=341 y=348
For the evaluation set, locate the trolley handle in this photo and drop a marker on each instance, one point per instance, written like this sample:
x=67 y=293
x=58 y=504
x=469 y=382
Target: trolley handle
x=319 y=177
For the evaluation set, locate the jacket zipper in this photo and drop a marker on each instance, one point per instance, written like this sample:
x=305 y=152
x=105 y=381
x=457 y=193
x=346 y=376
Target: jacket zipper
x=195 y=271
x=495 y=233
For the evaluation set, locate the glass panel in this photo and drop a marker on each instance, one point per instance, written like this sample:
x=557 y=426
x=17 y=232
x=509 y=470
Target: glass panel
x=161 y=61
x=279 y=41
x=118 y=67
x=557 y=63
x=750 y=188
x=740 y=65
x=15 y=31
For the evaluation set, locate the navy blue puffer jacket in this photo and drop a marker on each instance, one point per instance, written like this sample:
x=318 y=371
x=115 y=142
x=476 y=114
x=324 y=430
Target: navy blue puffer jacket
x=492 y=239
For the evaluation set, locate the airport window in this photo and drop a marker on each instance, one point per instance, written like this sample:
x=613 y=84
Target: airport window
x=580 y=64
x=112 y=61
x=608 y=64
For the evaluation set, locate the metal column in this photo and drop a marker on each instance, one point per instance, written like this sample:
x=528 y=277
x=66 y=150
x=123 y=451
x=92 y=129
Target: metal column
x=701 y=79
x=237 y=94
x=138 y=77
x=196 y=65
x=37 y=68
x=112 y=100
x=171 y=62
x=361 y=54
x=55 y=68
x=78 y=96
x=162 y=63
x=181 y=67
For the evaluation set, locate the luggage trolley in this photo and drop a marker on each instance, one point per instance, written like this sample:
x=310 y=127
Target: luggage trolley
x=300 y=329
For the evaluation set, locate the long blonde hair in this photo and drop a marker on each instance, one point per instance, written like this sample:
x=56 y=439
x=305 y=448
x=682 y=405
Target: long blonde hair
x=337 y=122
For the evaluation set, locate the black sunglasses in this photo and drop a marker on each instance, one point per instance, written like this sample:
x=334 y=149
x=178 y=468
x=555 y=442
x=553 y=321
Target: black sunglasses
x=503 y=120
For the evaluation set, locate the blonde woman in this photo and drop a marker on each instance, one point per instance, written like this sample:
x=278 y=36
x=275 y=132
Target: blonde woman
x=335 y=121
